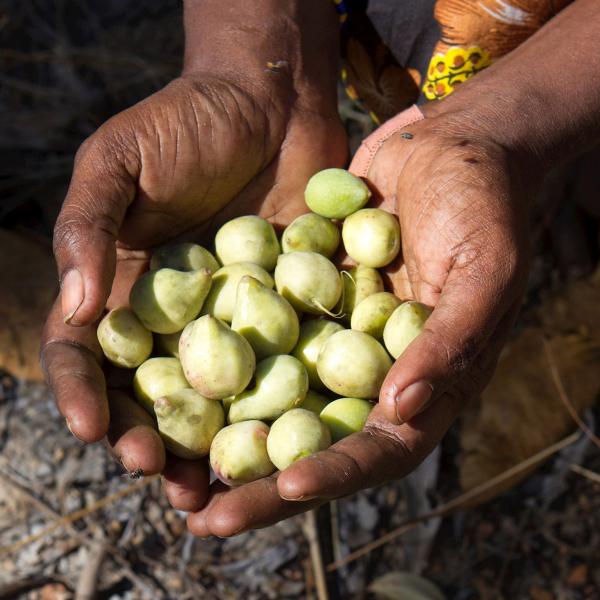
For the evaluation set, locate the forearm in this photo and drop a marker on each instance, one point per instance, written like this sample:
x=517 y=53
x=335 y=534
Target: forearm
x=268 y=42
x=543 y=99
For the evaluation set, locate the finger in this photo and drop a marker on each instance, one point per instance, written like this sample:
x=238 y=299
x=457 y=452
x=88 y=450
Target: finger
x=186 y=483
x=102 y=186
x=70 y=360
x=132 y=436
x=458 y=348
x=232 y=511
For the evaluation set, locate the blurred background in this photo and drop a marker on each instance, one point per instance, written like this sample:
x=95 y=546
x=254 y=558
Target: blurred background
x=507 y=507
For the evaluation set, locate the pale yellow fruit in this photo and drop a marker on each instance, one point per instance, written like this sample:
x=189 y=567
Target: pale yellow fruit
x=314 y=402
x=311 y=233
x=166 y=300
x=359 y=283
x=167 y=344
x=296 y=434
x=238 y=453
x=216 y=361
x=158 y=377
x=345 y=416
x=123 y=339
x=188 y=422
x=183 y=257
x=281 y=383
x=353 y=364
x=371 y=315
x=404 y=325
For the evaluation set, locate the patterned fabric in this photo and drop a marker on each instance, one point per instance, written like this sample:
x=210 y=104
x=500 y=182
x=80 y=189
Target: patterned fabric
x=398 y=52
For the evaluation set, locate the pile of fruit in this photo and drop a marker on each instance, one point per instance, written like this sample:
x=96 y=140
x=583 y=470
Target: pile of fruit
x=256 y=335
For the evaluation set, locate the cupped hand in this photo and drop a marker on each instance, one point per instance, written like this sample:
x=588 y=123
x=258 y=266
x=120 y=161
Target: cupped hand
x=195 y=154
x=462 y=201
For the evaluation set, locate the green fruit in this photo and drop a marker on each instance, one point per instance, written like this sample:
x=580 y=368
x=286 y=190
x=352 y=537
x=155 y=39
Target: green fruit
x=372 y=237
x=404 y=325
x=124 y=340
x=188 y=422
x=296 y=434
x=166 y=300
x=345 y=416
x=167 y=344
x=314 y=402
x=359 y=282
x=158 y=377
x=313 y=334
x=247 y=239
x=264 y=318
x=238 y=453
x=216 y=361
x=336 y=193
x=372 y=313
x=308 y=281
x=183 y=257
x=311 y=233
x=353 y=364
x=281 y=383
x=220 y=301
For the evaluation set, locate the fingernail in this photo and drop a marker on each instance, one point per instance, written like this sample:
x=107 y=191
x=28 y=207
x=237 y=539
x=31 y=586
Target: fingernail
x=72 y=294
x=413 y=399
x=71 y=430
x=297 y=498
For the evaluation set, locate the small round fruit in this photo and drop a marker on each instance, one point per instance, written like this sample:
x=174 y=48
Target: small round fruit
x=158 y=377
x=188 y=422
x=345 y=416
x=359 y=282
x=124 y=340
x=371 y=315
x=336 y=193
x=404 y=325
x=296 y=434
x=372 y=237
x=308 y=281
x=183 y=257
x=314 y=402
x=313 y=334
x=311 y=233
x=353 y=364
x=247 y=239
x=167 y=344
x=238 y=453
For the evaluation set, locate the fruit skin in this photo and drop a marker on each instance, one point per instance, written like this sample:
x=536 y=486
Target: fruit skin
x=311 y=233
x=220 y=301
x=296 y=434
x=313 y=334
x=188 y=422
x=281 y=384
x=372 y=237
x=183 y=257
x=264 y=318
x=353 y=364
x=158 y=377
x=247 y=239
x=124 y=340
x=345 y=416
x=404 y=325
x=238 y=453
x=371 y=315
x=359 y=283
x=314 y=402
x=216 y=361
x=166 y=300
x=167 y=344
x=336 y=193
x=308 y=281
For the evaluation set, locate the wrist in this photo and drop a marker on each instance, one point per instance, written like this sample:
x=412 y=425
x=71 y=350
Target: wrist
x=288 y=48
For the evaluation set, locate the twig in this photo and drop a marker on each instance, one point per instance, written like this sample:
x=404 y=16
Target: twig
x=86 y=584
x=458 y=502
x=562 y=394
x=310 y=531
x=79 y=514
x=591 y=475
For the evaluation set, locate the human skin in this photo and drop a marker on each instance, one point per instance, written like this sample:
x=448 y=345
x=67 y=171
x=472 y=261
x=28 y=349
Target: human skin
x=461 y=189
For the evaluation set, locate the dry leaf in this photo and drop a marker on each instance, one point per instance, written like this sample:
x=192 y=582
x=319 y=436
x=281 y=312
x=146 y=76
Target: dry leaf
x=401 y=585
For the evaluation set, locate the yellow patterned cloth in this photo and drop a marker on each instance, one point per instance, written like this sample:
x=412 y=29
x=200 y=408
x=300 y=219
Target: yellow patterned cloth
x=449 y=70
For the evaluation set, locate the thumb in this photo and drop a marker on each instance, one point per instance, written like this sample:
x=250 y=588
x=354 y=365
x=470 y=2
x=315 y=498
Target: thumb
x=458 y=347
x=102 y=186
